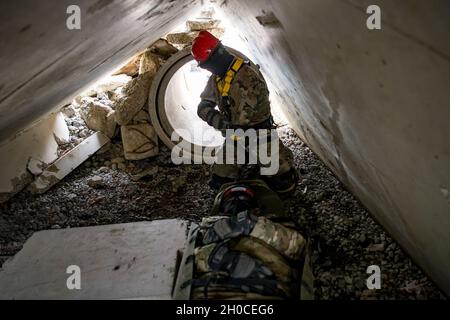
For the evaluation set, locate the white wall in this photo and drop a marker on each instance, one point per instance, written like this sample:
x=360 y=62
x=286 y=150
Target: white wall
x=374 y=105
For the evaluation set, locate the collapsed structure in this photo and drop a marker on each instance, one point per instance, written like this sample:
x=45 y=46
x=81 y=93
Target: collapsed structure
x=116 y=106
x=382 y=130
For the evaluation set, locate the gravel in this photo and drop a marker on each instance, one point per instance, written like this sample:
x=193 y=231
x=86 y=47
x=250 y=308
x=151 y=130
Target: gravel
x=106 y=189
x=77 y=128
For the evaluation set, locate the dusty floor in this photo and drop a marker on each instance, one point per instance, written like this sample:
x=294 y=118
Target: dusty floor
x=346 y=240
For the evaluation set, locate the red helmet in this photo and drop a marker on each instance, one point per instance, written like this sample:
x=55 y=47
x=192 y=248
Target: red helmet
x=237 y=198
x=203 y=45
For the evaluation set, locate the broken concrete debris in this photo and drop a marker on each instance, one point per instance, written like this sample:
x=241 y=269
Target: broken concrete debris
x=64 y=165
x=78 y=130
x=217 y=32
x=132 y=98
x=111 y=83
x=119 y=99
x=181 y=38
x=185 y=38
x=98 y=117
x=35 y=166
x=119 y=163
x=96 y=182
x=124 y=105
x=163 y=49
x=131 y=68
x=140 y=141
x=108 y=97
x=68 y=111
x=105 y=84
x=202 y=24
x=204 y=21
x=149 y=63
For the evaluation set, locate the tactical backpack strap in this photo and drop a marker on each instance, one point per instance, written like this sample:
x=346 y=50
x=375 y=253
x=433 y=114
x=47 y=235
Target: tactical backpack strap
x=265 y=287
x=307 y=280
x=236 y=264
x=227 y=228
x=182 y=288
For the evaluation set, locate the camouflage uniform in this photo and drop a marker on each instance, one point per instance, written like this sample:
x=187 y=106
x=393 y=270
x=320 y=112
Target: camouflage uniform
x=250 y=250
x=248 y=107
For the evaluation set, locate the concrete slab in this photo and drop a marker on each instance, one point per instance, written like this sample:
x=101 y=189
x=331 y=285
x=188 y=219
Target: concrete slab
x=64 y=165
x=122 y=261
x=36 y=145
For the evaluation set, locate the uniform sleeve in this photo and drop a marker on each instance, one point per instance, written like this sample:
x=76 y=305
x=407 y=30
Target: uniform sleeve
x=207 y=108
x=209 y=93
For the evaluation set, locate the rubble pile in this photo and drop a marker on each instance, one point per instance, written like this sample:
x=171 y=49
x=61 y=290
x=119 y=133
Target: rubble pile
x=77 y=128
x=205 y=21
x=116 y=106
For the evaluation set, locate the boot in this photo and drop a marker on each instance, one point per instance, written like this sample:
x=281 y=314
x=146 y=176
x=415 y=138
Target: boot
x=284 y=183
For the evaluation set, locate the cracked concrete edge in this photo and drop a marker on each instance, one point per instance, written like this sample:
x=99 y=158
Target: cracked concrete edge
x=67 y=163
x=27 y=154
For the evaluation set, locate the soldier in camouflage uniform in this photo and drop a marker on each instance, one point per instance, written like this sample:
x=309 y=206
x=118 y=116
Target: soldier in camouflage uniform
x=240 y=92
x=250 y=248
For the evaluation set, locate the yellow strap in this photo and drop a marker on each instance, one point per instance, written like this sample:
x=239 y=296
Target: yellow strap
x=237 y=65
x=226 y=86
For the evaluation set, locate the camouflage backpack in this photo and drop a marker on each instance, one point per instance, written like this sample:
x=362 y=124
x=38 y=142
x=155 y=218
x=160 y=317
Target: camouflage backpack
x=245 y=257
x=256 y=252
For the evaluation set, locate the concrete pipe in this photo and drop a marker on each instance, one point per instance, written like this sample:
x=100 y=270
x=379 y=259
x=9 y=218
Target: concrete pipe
x=173 y=100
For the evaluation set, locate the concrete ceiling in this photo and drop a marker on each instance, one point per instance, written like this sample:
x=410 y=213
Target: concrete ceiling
x=43 y=64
